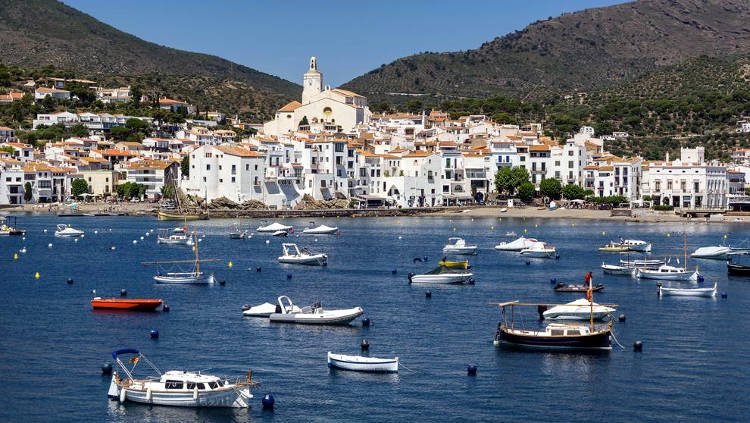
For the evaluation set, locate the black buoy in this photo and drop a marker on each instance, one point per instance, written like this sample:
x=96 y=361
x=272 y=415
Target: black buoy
x=107 y=369
x=637 y=346
x=621 y=317
x=424 y=258
x=165 y=308
x=154 y=334
x=471 y=370
x=258 y=269
x=268 y=402
x=394 y=271
x=553 y=281
x=70 y=281
x=223 y=282
x=724 y=295
x=365 y=322
x=364 y=345
x=428 y=294
x=528 y=262
x=700 y=278
x=410 y=275
x=123 y=292
x=288 y=275
x=557 y=256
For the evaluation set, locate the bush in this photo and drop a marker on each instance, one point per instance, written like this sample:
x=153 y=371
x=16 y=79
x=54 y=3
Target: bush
x=573 y=192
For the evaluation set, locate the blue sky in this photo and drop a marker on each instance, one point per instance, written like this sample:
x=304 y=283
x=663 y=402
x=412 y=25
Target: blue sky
x=348 y=37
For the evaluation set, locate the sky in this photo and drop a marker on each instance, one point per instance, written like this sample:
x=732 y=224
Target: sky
x=349 y=38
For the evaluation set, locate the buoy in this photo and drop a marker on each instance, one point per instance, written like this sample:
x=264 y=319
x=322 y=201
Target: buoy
x=724 y=295
x=154 y=333
x=36 y=275
x=135 y=242
x=45 y=231
x=75 y=240
x=268 y=241
x=165 y=308
x=365 y=322
x=223 y=282
x=425 y=258
x=454 y=229
x=621 y=317
x=230 y=264
x=288 y=275
x=394 y=271
x=107 y=369
x=22 y=250
x=536 y=225
x=428 y=294
x=492 y=228
x=268 y=400
x=399 y=237
x=258 y=269
x=113 y=248
x=49 y=245
x=604 y=233
x=701 y=278
x=528 y=262
x=668 y=234
x=123 y=292
x=471 y=370
x=123 y=394
x=638 y=346
x=364 y=345
x=525 y=230
x=15 y=256
x=96 y=232
x=553 y=281
x=316 y=240
x=70 y=281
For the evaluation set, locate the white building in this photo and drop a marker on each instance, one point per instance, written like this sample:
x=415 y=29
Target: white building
x=42 y=92
x=225 y=171
x=154 y=174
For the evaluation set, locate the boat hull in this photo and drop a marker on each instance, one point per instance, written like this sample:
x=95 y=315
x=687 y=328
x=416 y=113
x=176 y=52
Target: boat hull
x=329 y=231
x=594 y=342
x=616 y=270
x=561 y=287
x=330 y=317
x=314 y=260
x=132 y=305
x=738 y=270
x=230 y=397
x=180 y=280
x=176 y=216
x=461 y=251
x=646 y=274
x=336 y=361
x=442 y=279
x=688 y=292
x=538 y=254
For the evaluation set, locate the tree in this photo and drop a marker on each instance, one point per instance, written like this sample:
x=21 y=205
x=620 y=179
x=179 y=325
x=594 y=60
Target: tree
x=573 y=192
x=185 y=165
x=526 y=191
x=520 y=175
x=119 y=133
x=167 y=191
x=550 y=188
x=303 y=121
x=136 y=125
x=504 y=180
x=27 y=194
x=135 y=97
x=78 y=187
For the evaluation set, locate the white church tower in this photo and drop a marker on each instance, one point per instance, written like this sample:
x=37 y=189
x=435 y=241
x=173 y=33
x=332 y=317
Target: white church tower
x=312 y=83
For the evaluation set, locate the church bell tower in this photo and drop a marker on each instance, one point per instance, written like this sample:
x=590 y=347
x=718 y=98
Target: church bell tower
x=312 y=82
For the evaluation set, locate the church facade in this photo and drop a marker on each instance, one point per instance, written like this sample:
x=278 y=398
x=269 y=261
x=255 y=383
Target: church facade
x=321 y=109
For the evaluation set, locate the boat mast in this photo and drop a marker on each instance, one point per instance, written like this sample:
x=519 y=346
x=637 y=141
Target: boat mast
x=197 y=262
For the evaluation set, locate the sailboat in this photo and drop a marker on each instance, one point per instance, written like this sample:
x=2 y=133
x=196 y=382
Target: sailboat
x=193 y=277
x=667 y=272
x=178 y=213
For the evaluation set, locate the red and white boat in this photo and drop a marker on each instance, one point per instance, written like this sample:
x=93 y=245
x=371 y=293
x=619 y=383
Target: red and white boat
x=146 y=304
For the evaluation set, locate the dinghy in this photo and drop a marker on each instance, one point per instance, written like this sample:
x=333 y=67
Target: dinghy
x=293 y=255
x=274 y=227
x=516 y=245
x=125 y=304
x=578 y=310
x=688 y=292
x=175 y=387
x=564 y=287
x=313 y=315
x=443 y=276
x=457 y=246
x=321 y=230
x=613 y=247
x=358 y=363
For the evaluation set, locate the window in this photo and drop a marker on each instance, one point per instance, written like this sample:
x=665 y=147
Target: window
x=256 y=167
x=570 y=164
x=201 y=386
x=557 y=332
x=208 y=167
x=232 y=179
x=191 y=385
x=557 y=162
x=213 y=385
x=173 y=384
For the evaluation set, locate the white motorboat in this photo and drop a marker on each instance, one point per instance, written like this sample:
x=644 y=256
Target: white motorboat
x=313 y=315
x=280 y=233
x=293 y=255
x=175 y=387
x=666 y=272
x=443 y=276
x=516 y=245
x=265 y=310
x=174 y=238
x=193 y=277
x=358 y=363
x=457 y=246
x=688 y=292
x=717 y=252
x=66 y=231
x=274 y=227
x=637 y=245
x=613 y=269
x=237 y=232
x=539 y=250
x=578 y=310
x=321 y=230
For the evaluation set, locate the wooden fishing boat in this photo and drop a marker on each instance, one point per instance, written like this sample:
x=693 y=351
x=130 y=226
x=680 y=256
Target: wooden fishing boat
x=164 y=215
x=8 y=226
x=737 y=269
x=358 y=363
x=688 y=292
x=126 y=304
x=564 y=287
x=614 y=247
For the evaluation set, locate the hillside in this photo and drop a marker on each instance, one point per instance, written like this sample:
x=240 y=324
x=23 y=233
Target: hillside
x=37 y=33
x=582 y=51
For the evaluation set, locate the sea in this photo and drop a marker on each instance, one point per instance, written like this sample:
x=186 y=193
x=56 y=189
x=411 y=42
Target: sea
x=693 y=365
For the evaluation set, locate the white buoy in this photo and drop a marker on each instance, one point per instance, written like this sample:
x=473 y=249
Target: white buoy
x=75 y=240
x=399 y=237
x=141 y=238
x=268 y=241
x=135 y=242
x=23 y=238
x=22 y=250
x=113 y=248
x=96 y=232
x=83 y=235
x=49 y=245
x=45 y=231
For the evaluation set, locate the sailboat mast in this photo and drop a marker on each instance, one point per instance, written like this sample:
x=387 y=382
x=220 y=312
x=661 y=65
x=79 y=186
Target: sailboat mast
x=684 y=246
x=197 y=262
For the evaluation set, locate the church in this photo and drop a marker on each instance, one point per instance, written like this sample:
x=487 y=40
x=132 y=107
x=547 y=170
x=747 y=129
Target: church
x=321 y=109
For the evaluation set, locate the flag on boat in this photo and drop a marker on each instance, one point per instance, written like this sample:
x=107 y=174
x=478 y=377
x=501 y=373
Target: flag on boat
x=133 y=360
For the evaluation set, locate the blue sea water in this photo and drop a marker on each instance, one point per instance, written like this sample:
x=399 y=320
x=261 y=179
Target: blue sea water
x=694 y=364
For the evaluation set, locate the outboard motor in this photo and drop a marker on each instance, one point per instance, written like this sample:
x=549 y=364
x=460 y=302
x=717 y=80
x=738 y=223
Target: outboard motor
x=411 y=275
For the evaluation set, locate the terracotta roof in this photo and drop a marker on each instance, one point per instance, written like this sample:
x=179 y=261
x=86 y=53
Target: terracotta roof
x=148 y=164
x=291 y=106
x=418 y=153
x=539 y=148
x=237 y=151
x=170 y=101
x=50 y=90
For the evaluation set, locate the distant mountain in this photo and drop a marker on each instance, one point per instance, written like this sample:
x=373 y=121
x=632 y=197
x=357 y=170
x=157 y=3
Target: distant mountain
x=36 y=33
x=584 y=50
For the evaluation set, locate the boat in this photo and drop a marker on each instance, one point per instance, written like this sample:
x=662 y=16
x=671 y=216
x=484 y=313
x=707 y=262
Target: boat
x=293 y=255
x=457 y=246
x=173 y=237
x=613 y=269
x=666 y=272
x=237 y=232
x=580 y=309
x=539 y=250
x=511 y=233
x=564 y=287
x=280 y=233
x=717 y=252
x=737 y=269
x=274 y=227
x=172 y=215
x=358 y=363
x=265 y=310
x=642 y=263
x=193 y=277
x=554 y=336
x=9 y=228
x=687 y=292
x=443 y=276
x=516 y=245
x=175 y=387
x=637 y=245
x=614 y=247
x=321 y=230
x=313 y=315
x=66 y=231
x=125 y=304
x=454 y=264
